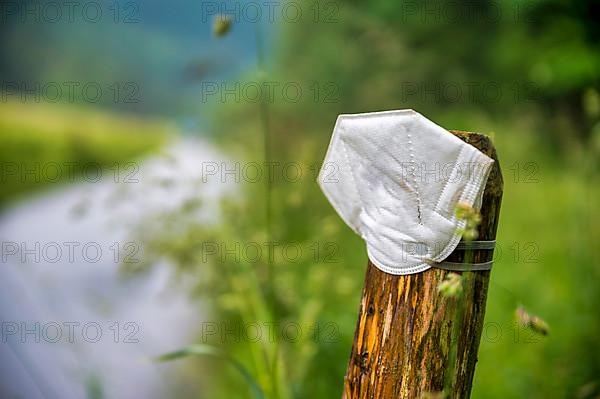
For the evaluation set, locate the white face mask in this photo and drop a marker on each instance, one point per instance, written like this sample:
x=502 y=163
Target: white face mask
x=395 y=178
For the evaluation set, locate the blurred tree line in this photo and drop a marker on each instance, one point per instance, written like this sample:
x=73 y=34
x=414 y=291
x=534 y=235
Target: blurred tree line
x=503 y=59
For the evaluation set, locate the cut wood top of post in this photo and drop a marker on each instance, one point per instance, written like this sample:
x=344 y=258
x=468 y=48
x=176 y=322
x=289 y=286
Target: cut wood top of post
x=396 y=178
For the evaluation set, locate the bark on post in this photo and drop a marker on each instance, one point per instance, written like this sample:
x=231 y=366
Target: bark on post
x=402 y=340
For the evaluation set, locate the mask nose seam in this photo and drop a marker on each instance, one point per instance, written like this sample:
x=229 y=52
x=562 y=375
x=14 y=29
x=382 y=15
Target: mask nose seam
x=413 y=176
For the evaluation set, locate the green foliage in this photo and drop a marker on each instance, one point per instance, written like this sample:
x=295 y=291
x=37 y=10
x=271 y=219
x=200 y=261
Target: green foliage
x=545 y=257
x=208 y=350
x=94 y=388
x=239 y=286
x=500 y=58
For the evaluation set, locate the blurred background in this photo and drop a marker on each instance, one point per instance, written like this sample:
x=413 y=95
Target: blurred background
x=158 y=165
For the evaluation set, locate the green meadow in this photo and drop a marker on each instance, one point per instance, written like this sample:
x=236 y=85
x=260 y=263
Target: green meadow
x=45 y=145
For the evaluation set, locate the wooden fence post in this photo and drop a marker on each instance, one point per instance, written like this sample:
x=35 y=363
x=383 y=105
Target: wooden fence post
x=402 y=341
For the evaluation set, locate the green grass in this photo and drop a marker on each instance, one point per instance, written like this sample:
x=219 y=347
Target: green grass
x=45 y=145
x=546 y=261
x=551 y=220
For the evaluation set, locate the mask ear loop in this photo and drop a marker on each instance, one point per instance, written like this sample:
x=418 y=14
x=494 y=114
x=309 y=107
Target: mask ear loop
x=465 y=267
x=476 y=245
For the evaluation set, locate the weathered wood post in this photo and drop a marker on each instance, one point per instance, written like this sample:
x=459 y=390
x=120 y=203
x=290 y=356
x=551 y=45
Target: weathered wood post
x=402 y=341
